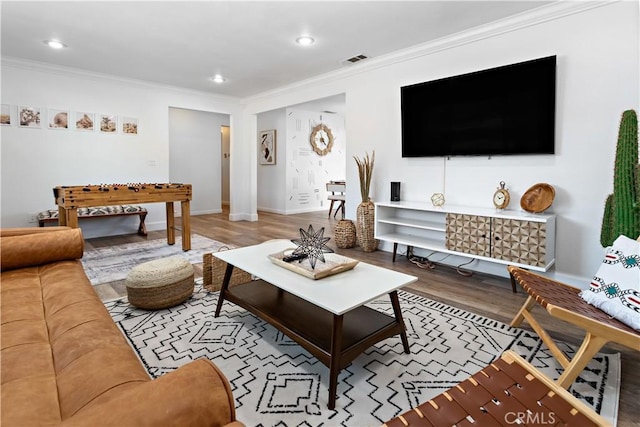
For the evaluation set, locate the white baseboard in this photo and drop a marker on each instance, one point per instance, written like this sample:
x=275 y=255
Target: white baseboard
x=298 y=211
x=243 y=217
x=290 y=212
x=271 y=210
x=205 y=212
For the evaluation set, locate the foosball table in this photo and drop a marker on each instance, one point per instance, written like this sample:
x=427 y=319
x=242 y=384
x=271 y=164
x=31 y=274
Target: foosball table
x=70 y=198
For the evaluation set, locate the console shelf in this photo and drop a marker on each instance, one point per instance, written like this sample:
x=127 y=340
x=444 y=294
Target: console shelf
x=504 y=237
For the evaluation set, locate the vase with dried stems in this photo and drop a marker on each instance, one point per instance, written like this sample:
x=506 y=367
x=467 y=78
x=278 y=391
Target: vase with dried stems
x=365 y=212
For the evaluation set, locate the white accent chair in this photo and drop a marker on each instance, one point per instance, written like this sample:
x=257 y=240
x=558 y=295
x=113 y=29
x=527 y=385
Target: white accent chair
x=337 y=190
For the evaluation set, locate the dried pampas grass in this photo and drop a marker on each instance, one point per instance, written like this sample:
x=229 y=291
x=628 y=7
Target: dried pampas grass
x=365 y=171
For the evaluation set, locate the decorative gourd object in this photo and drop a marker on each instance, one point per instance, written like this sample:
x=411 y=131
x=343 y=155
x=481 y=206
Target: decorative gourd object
x=345 y=234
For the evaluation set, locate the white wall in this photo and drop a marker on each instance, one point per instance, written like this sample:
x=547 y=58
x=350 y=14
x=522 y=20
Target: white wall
x=597 y=79
x=195 y=153
x=271 y=178
x=36 y=160
x=296 y=183
x=307 y=172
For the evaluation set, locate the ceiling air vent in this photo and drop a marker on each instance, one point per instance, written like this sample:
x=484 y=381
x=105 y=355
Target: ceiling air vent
x=354 y=59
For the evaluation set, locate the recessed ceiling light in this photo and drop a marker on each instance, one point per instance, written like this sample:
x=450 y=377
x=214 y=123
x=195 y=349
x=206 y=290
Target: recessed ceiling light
x=217 y=79
x=305 y=40
x=55 y=44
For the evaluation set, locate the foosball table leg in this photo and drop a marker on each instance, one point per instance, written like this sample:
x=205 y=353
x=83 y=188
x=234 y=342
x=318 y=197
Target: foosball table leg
x=69 y=217
x=185 y=219
x=171 y=224
x=62 y=216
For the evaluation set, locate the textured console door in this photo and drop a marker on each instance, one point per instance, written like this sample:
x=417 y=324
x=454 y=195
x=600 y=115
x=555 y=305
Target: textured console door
x=469 y=234
x=519 y=241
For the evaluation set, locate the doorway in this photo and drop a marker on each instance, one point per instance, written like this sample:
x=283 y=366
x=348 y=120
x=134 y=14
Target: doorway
x=225 y=133
x=195 y=148
x=295 y=183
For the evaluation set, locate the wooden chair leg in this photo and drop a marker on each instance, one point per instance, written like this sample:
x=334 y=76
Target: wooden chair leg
x=525 y=313
x=142 y=228
x=546 y=338
x=331 y=208
x=527 y=306
x=590 y=346
x=513 y=284
x=340 y=208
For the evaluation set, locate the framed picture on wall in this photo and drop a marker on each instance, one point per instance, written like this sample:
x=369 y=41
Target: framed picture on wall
x=58 y=119
x=29 y=117
x=5 y=115
x=108 y=123
x=130 y=125
x=85 y=121
x=267 y=147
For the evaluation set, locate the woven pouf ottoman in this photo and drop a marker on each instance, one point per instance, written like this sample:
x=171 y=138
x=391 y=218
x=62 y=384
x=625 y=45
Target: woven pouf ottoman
x=160 y=283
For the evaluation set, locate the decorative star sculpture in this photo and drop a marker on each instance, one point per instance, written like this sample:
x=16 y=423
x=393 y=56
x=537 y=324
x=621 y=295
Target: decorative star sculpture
x=312 y=245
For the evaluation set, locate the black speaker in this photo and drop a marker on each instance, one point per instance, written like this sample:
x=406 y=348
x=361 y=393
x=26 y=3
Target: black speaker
x=395 y=191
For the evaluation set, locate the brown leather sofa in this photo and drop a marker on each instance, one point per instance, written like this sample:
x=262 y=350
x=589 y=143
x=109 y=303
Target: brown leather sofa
x=65 y=362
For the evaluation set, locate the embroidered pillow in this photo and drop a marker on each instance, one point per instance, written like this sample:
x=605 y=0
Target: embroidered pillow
x=615 y=289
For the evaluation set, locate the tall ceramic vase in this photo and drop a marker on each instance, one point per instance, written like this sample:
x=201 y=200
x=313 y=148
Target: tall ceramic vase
x=365 y=222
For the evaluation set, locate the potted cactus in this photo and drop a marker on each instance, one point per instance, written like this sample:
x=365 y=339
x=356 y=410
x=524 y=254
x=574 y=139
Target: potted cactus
x=622 y=207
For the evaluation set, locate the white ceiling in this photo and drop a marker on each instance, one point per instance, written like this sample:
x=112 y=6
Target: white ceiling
x=252 y=44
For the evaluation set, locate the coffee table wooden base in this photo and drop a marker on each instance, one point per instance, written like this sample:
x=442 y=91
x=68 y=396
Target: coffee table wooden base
x=335 y=340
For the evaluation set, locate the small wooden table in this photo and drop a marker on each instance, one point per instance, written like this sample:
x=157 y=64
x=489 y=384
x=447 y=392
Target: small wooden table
x=327 y=317
x=70 y=198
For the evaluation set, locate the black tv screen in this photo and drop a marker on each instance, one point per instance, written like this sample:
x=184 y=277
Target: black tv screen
x=504 y=110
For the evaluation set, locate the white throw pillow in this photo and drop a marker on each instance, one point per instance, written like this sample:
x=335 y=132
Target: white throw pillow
x=615 y=289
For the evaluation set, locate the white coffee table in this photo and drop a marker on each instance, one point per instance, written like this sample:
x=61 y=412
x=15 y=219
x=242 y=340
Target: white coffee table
x=327 y=317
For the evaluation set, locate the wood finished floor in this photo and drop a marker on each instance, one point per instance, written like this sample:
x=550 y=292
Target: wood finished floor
x=486 y=295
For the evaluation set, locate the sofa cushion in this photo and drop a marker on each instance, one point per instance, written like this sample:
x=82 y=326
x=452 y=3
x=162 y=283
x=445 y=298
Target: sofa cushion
x=615 y=288
x=41 y=248
x=94 y=211
x=91 y=355
x=26 y=381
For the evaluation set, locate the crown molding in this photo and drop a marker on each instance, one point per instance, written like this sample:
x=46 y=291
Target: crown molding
x=542 y=14
x=24 y=64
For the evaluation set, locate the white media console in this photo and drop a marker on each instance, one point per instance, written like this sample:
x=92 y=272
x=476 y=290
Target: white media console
x=501 y=236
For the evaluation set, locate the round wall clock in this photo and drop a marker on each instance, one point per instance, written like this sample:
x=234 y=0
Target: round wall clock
x=501 y=197
x=321 y=139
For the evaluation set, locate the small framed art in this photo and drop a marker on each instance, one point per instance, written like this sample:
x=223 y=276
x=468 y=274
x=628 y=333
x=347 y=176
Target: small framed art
x=5 y=115
x=108 y=123
x=85 y=121
x=29 y=117
x=267 y=148
x=130 y=125
x=58 y=119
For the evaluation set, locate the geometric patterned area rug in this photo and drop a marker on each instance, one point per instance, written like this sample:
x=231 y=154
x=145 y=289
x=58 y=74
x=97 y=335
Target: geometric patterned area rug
x=275 y=382
x=112 y=263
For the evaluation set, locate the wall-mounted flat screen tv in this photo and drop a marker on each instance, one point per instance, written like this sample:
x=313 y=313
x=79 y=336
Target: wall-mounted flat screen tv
x=504 y=110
